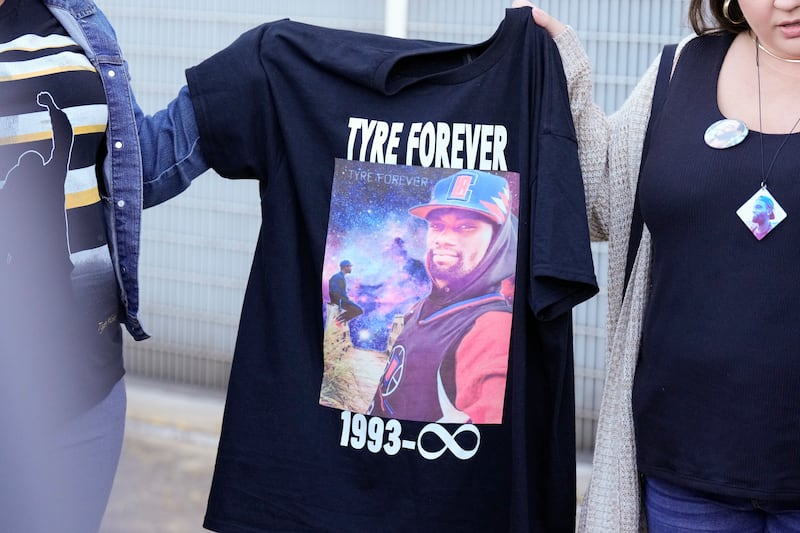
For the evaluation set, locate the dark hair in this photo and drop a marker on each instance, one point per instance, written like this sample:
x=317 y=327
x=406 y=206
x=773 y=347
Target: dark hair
x=699 y=15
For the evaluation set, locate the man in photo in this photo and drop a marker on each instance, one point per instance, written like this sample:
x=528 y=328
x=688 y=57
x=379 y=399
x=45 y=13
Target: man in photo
x=763 y=216
x=450 y=361
x=337 y=287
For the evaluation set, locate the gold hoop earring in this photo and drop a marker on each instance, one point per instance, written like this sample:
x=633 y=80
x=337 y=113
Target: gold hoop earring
x=725 y=13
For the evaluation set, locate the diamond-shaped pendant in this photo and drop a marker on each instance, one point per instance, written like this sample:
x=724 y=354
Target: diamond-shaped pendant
x=761 y=213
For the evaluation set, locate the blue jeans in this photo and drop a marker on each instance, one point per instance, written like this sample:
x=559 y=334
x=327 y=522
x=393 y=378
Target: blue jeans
x=673 y=509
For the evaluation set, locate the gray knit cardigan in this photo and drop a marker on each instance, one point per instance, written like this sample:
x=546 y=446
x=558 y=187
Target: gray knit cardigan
x=610 y=149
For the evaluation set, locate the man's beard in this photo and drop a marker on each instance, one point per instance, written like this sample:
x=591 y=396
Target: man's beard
x=451 y=274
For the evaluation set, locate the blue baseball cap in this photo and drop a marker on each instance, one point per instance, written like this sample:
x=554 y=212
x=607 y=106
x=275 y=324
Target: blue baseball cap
x=345 y=263
x=473 y=190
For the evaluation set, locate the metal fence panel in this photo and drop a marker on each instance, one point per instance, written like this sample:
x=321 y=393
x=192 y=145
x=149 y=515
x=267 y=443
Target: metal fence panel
x=197 y=248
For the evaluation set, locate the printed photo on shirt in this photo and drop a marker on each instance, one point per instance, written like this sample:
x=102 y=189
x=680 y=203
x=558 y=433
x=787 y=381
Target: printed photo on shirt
x=418 y=289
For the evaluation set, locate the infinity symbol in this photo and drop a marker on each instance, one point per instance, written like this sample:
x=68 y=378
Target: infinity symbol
x=448 y=441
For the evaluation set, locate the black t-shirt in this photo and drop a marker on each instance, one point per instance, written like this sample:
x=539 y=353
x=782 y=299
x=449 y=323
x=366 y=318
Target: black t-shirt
x=347 y=133
x=59 y=325
x=715 y=396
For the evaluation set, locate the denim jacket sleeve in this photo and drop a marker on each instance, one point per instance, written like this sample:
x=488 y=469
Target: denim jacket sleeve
x=171 y=154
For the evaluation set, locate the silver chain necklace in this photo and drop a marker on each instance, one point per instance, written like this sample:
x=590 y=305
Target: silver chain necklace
x=770 y=52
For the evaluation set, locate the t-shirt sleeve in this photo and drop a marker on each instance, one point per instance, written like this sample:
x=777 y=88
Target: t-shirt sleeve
x=231 y=100
x=562 y=269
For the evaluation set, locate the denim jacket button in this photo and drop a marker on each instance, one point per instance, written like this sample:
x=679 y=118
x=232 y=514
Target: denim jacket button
x=121 y=203
x=111 y=73
x=118 y=145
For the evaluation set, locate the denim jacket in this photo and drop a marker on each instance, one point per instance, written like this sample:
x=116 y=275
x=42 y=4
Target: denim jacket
x=149 y=158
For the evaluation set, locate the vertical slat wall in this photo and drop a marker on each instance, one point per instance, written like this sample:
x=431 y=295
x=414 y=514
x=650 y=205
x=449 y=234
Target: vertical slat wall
x=197 y=248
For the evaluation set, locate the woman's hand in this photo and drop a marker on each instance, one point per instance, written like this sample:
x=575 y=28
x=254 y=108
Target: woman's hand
x=552 y=25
